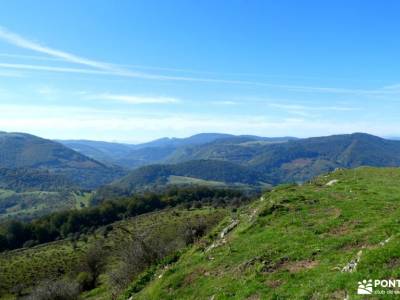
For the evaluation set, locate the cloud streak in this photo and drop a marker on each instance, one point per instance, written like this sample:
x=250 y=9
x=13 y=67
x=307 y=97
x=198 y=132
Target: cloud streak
x=134 y=99
x=19 y=41
x=101 y=68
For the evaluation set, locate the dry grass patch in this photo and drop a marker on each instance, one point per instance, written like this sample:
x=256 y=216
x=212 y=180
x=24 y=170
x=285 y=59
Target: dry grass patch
x=301 y=265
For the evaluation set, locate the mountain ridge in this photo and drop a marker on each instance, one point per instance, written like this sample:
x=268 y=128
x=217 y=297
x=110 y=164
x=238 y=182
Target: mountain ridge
x=157 y=151
x=26 y=151
x=275 y=163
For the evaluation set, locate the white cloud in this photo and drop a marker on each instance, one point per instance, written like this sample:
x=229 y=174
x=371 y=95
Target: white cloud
x=29 y=67
x=22 y=42
x=134 y=99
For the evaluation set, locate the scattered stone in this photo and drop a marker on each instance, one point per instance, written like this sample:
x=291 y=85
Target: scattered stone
x=346 y=296
x=383 y=243
x=215 y=245
x=253 y=214
x=332 y=182
x=228 y=229
x=352 y=265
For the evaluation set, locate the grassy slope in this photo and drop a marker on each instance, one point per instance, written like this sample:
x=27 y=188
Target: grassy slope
x=53 y=260
x=294 y=242
x=38 y=203
x=182 y=180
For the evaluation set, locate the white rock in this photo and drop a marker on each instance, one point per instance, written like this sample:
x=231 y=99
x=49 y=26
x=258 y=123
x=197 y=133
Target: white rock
x=332 y=182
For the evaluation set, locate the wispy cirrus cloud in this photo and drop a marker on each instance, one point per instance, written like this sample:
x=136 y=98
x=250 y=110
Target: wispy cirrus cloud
x=29 y=67
x=134 y=99
x=102 y=68
x=22 y=42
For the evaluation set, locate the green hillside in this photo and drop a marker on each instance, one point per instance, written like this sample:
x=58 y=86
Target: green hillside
x=32 y=204
x=25 y=179
x=296 y=242
x=205 y=172
x=39 y=269
x=298 y=160
x=27 y=152
x=246 y=160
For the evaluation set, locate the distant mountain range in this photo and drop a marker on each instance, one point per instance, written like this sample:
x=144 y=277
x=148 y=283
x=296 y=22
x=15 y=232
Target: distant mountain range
x=261 y=161
x=158 y=151
x=29 y=162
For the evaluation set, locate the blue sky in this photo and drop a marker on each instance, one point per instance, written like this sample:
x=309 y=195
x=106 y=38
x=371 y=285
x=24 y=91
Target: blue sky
x=133 y=71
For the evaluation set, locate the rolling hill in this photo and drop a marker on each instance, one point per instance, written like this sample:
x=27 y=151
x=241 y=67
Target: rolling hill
x=132 y=156
x=259 y=163
x=48 y=159
x=39 y=176
x=301 y=159
x=315 y=241
x=200 y=172
x=24 y=269
x=104 y=152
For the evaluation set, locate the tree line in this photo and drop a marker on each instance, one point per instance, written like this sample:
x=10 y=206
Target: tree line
x=16 y=234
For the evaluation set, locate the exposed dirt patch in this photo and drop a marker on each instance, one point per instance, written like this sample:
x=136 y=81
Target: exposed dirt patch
x=254 y=297
x=192 y=277
x=394 y=262
x=270 y=267
x=301 y=265
x=337 y=196
x=343 y=229
x=357 y=245
x=340 y=294
x=273 y=284
x=335 y=212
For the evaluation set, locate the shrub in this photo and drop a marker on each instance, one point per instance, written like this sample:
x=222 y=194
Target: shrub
x=56 y=290
x=85 y=281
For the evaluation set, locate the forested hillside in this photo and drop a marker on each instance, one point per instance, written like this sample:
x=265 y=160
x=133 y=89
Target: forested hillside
x=24 y=151
x=260 y=163
x=211 y=173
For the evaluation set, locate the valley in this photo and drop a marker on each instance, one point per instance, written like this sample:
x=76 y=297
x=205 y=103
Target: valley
x=199 y=150
x=215 y=209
